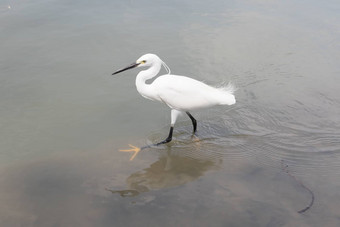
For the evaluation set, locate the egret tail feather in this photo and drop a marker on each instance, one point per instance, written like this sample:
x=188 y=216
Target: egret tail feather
x=226 y=94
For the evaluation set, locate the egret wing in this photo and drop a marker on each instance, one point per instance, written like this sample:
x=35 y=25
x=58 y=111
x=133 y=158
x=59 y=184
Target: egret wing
x=184 y=93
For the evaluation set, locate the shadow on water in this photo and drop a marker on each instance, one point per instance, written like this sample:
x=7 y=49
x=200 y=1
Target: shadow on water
x=185 y=160
x=169 y=171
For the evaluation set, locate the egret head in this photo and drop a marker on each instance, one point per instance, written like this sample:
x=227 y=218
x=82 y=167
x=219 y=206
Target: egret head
x=144 y=61
x=147 y=60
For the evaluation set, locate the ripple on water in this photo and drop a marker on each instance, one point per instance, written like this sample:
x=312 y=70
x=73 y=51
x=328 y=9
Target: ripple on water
x=307 y=147
x=261 y=135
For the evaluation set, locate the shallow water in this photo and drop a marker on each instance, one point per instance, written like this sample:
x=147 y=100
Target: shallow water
x=257 y=163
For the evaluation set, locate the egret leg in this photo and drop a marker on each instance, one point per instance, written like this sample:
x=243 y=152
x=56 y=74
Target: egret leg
x=174 y=115
x=168 y=139
x=194 y=122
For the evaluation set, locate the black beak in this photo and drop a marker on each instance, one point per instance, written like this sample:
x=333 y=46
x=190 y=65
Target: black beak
x=133 y=65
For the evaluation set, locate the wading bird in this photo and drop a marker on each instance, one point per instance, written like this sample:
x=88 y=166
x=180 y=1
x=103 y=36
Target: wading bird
x=180 y=93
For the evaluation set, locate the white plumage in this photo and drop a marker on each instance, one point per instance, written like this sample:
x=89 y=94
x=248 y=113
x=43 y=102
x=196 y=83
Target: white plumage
x=185 y=94
x=180 y=93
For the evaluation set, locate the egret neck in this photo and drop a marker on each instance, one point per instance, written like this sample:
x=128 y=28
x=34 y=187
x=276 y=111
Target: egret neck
x=147 y=90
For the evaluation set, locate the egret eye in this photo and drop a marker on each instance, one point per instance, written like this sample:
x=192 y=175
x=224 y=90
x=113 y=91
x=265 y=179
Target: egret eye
x=143 y=62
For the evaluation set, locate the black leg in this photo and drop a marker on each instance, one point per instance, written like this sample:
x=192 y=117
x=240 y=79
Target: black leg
x=167 y=140
x=194 y=122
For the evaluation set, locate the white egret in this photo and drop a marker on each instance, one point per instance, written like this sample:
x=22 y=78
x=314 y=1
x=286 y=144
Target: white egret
x=180 y=93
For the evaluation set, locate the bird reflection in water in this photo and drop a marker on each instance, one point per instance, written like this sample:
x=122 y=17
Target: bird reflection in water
x=169 y=171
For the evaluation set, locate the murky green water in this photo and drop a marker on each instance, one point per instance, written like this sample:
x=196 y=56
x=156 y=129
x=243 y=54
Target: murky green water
x=63 y=117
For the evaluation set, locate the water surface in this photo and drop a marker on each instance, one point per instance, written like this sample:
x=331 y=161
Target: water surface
x=257 y=163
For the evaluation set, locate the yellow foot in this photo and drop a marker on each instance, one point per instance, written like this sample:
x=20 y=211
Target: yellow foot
x=133 y=149
x=195 y=138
